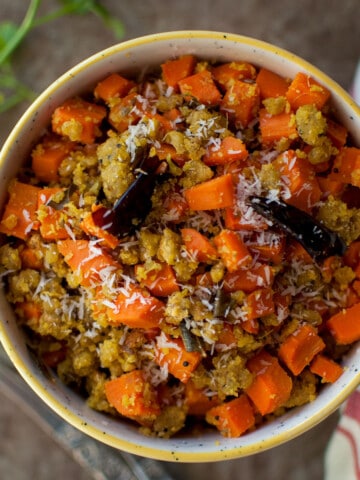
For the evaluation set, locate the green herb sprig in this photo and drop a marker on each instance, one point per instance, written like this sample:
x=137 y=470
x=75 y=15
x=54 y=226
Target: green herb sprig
x=14 y=91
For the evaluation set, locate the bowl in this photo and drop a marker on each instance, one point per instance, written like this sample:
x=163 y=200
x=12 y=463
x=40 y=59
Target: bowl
x=134 y=57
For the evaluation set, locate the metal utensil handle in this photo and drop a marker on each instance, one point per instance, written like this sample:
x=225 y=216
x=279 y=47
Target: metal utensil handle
x=102 y=462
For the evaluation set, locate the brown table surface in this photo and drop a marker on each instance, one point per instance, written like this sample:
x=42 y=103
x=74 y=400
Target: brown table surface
x=325 y=32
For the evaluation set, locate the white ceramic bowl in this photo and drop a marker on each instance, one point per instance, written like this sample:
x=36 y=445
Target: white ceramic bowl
x=131 y=57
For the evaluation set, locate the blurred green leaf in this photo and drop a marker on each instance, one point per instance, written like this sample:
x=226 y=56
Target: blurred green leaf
x=13 y=91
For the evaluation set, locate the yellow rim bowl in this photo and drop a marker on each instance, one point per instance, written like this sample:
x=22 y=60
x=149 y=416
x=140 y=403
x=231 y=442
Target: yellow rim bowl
x=137 y=57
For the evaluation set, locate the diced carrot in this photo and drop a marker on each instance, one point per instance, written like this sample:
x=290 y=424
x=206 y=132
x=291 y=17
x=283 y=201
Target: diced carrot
x=133 y=397
x=271 y=386
x=19 y=216
x=197 y=402
x=232 y=250
x=226 y=337
x=135 y=308
x=201 y=87
x=347 y=166
x=47 y=157
x=87 y=260
x=304 y=90
x=299 y=348
x=331 y=186
x=235 y=220
x=241 y=103
x=352 y=254
x=227 y=73
x=231 y=149
x=175 y=70
x=78 y=120
x=198 y=246
x=326 y=368
x=356 y=287
x=90 y=228
x=52 y=358
x=161 y=281
x=172 y=354
x=232 y=418
x=204 y=279
x=29 y=310
x=113 y=86
x=271 y=84
x=345 y=325
x=165 y=151
x=296 y=251
x=272 y=250
x=301 y=182
x=52 y=221
x=30 y=258
x=175 y=206
x=125 y=111
x=249 y=279
x=336 y=132
x=212 y=194
x=259 y=303
x=276 y=127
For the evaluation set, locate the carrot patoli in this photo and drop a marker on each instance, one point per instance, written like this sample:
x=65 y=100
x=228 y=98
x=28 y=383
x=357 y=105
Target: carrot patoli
x=272 y=251
x=241 y=103
x=29 y=310
x=227 y=73
x=227 y=338
x=296 y=251
x=31 y=258
x=196 y=400
x=165 y=151
x=87 y=260
x=160 y=281
x=271 y=386
x=347 y=166
x=52 y=221
x=90 y=228
x=113 y=86
x=258 y=303
x=198 y=246
x=230 y=149
x=345 y=325
x=212 y=194
x=47 y=157
x=171 y=353
x=19 y=217
x=236 y=220
x=133 y=397
x=336 y=132
x=276 y=127
x=331 y=186
x=232 y=250
x=271 y=84
x=135 y=308
x=326 y=368
x=299 y=348
x=175 y=70
x=304 y=90
x=125 y=111
x=232 y=418
x=352 y=254
x=78 y=120
x=201 y=87
x=249 y=279
x=301 y=188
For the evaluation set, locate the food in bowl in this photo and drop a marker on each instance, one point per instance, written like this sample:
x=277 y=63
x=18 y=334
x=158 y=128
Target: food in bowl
x=153 y=253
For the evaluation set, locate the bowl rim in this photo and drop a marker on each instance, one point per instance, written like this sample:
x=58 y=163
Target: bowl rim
x=5 y=338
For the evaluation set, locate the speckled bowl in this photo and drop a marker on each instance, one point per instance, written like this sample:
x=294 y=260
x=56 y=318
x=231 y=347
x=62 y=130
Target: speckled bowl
x=136 y=56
